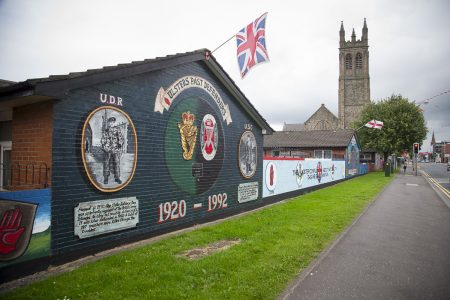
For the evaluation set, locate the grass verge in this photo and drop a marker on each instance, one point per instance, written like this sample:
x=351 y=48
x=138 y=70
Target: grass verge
x=276 y=244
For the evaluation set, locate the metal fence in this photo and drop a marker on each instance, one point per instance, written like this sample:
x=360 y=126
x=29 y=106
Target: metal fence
x=20 y=176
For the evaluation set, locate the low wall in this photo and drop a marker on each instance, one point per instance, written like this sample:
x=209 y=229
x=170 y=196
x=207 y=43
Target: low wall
x=284 y=175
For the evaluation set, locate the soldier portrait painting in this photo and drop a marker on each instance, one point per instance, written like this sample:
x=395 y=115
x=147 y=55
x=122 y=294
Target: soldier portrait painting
x=110 y=159
x=247 y=154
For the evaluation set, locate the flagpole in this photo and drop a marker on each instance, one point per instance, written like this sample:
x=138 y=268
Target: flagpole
x=360 y=127
x=223 y=43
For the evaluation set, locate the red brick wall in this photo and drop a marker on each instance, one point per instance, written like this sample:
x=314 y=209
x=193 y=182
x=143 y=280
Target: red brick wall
x=446 y=151
x=31 y=156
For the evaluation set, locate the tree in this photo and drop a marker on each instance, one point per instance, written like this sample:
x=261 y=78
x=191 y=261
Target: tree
x=404 y=125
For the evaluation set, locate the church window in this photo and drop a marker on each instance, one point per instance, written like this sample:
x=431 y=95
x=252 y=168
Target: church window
x=348 y=61
x=358 y=62
x=322 y=125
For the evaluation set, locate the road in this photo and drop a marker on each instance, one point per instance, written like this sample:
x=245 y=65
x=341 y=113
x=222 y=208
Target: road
x=397 y=249
x=439 y=177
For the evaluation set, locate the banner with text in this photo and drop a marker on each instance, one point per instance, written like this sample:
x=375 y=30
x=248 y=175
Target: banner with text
x=282 y=176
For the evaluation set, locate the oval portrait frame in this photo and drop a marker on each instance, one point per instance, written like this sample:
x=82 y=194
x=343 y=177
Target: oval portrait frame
x=83 y=149
x=250 y=174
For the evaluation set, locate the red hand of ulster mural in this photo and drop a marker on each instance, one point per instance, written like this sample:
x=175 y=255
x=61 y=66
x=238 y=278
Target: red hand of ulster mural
x=10 y=230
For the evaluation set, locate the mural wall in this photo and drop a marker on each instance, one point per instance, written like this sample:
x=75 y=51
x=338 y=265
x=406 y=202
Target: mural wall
x=287 y=175
x=24 y=226
x=145 y=154
x=150 y=152
x=352 y=158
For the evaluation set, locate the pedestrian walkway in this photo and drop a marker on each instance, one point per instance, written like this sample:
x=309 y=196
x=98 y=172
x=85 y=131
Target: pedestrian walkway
x=398 y=249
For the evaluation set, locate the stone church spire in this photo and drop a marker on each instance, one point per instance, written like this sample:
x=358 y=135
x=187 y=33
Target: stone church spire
x=342 y=35
x=354 y=80
x=365 y=34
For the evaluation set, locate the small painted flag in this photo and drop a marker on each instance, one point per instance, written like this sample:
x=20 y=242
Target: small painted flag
x=374 y=124
x=251 y=45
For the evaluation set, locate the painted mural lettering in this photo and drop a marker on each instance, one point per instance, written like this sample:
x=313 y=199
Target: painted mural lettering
x=297 y=175
x=217 y=202
x=169 y=211
x=197 y=170
x=110 y=99
x=164 y=98
x=103 y=216
x=178 y=87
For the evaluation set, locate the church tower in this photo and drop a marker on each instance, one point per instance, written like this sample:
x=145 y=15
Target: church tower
x=354 y=81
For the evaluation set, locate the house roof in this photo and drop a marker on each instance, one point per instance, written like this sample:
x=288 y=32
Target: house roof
x=56 y=86
x=4 y=83
x=294 y=127
x=309 y=139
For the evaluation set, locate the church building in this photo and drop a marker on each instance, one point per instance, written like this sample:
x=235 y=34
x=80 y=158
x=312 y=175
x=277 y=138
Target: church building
x=354 y=86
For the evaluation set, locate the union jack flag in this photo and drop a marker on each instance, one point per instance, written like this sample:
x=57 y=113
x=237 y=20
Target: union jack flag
x=251 y=45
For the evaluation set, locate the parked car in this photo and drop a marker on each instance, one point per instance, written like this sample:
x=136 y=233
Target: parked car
x=448 y=166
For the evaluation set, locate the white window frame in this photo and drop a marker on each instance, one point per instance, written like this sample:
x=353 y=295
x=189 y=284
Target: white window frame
x=322 y=154
x=4 y=146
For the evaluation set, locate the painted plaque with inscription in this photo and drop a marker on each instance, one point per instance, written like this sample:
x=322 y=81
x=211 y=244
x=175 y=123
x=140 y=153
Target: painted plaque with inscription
x=104 y=216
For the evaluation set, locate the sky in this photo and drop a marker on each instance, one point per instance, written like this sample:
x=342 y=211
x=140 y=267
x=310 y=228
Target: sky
x=409 y=46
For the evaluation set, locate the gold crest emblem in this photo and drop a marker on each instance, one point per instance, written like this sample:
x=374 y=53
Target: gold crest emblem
x=188 y=133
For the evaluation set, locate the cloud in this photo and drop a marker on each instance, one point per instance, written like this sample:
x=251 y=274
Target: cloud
x=408 y=45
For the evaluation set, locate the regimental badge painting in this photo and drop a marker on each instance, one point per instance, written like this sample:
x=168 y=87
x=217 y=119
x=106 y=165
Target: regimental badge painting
x=299 y=174
x=109 y=148
x=209 y=138
x=247 y=154
x=188 y=134
x=319 y=171
x=193 y=144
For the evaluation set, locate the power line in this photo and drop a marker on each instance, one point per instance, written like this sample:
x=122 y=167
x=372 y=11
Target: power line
x=426 y=101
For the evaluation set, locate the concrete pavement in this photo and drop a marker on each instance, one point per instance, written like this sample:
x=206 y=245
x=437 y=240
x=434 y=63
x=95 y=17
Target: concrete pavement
x=398 y=249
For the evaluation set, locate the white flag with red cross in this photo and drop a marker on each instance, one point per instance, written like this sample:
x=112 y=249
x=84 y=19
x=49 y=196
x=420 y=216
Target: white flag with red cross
x=374 y=124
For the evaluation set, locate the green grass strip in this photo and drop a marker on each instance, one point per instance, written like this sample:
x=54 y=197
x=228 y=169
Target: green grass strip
x=276 y=244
